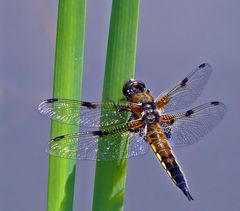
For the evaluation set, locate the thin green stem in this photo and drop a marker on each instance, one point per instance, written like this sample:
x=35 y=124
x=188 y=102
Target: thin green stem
x=67 y=84
x=110 y=177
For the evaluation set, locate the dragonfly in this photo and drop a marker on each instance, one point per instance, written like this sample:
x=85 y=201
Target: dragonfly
x=119 y=130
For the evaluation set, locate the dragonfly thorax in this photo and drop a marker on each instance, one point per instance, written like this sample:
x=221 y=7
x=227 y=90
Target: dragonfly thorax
x=148 y=107
x=150 y=113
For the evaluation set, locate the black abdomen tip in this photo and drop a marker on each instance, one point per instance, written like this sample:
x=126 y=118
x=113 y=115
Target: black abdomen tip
x=188 y=195
x=183 y=187
x=215 y=103
x=202 y=65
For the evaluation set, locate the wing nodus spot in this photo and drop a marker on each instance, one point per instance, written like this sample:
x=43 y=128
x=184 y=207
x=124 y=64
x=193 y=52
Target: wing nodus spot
x=184 y=81
x=189 y=113
x=89 y=105
x=100 y=133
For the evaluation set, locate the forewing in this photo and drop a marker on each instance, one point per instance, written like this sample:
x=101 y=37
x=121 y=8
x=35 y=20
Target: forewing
x=184 y=93
x=189 y=127
x=85 y=146
x=85 y=113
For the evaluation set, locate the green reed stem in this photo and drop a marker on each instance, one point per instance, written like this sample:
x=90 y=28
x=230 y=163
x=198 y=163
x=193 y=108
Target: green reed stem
x=110 y=177
x=67 y=84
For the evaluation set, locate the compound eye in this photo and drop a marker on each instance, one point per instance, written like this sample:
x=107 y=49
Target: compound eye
x=128 y=87
x=126 y=92
x=139 y=86
x=132 y=87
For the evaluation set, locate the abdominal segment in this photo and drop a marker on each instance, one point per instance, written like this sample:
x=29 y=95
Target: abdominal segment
x=159 y=144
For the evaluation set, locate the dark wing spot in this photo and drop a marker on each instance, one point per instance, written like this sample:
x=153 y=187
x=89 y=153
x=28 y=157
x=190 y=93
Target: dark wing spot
x=189 y=112
x=202 y=65
x=89 y=105
x=58 y=138
x=171 y=121
x=184 y=81
x=99 y=133
x=167 y=130
x=168 y=134
x=52 y=100
x=215 y=103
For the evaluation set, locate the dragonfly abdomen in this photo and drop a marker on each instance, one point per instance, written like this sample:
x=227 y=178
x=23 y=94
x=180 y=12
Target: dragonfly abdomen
x=163 y=152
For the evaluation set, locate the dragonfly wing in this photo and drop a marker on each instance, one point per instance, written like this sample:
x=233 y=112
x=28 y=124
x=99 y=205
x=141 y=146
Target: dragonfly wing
x=108 y=145
x=184 y=93
x=85 y=113
x=186 y=128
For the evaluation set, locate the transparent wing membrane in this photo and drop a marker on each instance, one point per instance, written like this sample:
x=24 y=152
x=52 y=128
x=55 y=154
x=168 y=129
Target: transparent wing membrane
x=184 y=93
x=92 y=146
x=85 y=113
x=189 y=127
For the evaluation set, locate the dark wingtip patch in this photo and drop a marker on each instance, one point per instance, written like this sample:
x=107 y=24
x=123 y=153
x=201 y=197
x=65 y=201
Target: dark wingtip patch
x=215 y=103
x=189 y=112
x=52 y=100
x=202 y=65
x=58 y=138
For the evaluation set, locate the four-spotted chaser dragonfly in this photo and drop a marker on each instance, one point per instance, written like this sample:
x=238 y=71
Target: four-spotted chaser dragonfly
x=140 y=121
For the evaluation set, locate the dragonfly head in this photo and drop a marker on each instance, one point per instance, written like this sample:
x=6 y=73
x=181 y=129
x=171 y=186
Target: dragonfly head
x=132 y=87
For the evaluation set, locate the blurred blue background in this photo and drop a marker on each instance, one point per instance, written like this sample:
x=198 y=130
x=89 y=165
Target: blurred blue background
x=174 y=37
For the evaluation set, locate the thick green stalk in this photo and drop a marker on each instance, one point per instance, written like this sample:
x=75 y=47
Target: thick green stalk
x=67 y=84
x=120 y=66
